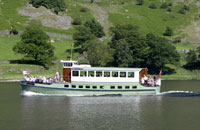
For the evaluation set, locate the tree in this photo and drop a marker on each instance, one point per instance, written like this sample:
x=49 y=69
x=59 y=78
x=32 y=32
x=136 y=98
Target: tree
x=35 y=45
x=191 y=56
x=161 y=52
x=123 y=54
x=99 y=54
x=198 y=51
x=57 y=5
x=82 y=35
x=136 y=43
x=168 y=32
x=95 y=28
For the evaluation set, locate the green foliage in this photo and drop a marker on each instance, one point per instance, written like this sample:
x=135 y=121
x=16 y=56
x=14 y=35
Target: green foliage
x=122 y=53
x=152 y=6
x=13 y=30
x=191 y=56
x=82 y=35
x=35 y=44
x=168 y=32
x=140 y=2
x=161 y=52
x=198 y=51
x=95 y=28
x=99 y=54
x=76 y=21
x=57 y=5
x=164 y=6
x=133 y=50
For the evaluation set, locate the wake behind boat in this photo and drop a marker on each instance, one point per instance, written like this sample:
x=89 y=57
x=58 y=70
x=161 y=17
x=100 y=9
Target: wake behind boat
x=84 y=80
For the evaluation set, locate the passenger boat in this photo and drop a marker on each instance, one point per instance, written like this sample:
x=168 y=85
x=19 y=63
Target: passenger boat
x=84 y=80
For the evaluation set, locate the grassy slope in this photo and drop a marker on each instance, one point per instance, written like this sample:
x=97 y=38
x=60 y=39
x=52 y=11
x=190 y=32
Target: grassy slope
x=14 y=71
x=149 y=20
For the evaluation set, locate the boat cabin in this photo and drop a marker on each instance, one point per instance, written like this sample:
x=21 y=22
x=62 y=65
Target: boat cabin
x=72 y=72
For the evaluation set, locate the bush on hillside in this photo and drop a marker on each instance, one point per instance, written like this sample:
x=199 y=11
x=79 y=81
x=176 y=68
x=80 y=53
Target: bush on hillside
x=164 y=6
x=191 y=56
x=83 y=10
x=185 y=7
x=95 y=27
x=170 y=4
x=13 y=31
x=77 y=21
x=181 y=11
x=152 y=6
x=140 y=2
x=56 y=5
x=168 y=32
x=169 y=10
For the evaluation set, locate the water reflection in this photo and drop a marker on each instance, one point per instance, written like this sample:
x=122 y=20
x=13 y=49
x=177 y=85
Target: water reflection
x=88 y=112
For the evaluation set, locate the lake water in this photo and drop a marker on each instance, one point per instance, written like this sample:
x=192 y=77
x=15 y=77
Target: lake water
x=176 y=108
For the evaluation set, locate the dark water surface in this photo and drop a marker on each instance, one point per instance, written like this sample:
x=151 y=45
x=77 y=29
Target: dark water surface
x=176 y=108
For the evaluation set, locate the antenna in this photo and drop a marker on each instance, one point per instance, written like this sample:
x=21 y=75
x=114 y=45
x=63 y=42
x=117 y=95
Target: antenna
x=71 y=51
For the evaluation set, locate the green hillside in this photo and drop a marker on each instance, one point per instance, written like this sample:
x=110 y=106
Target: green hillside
x=108 y=13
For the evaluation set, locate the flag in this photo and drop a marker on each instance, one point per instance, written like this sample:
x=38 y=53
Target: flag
x=159 y=74
x=25 y=72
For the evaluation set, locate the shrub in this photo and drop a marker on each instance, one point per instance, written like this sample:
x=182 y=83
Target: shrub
x=185 y=7
x=164 y=6
x=140 y=2
x=181 y=11
x=77 y=21
x=170 y=4
x=169 y=10
x=83 y=10
x=14 y=31
x=152 y=6
x=168 y=32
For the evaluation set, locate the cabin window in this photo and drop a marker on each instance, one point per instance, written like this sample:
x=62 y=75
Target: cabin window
x=67 y=64
x=75 y=73
x=131 y=74
x=119 y=87
x=114 y=74
x=66 y=86
x=122 y=74
x=87 y=86
x=80 y=86
x=94 y=87
x=98 y=73
x=90 y=73
x=112 y=87
x=106 y=74
x=127 y=87
x=73 y=86
x=133 y=87
x=101 y=87
x=83 y=73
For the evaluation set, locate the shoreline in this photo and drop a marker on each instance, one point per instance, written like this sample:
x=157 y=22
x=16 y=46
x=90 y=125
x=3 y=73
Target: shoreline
x=17 y=80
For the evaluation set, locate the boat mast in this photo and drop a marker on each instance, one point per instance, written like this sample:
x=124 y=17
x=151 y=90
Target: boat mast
x=71 y=51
